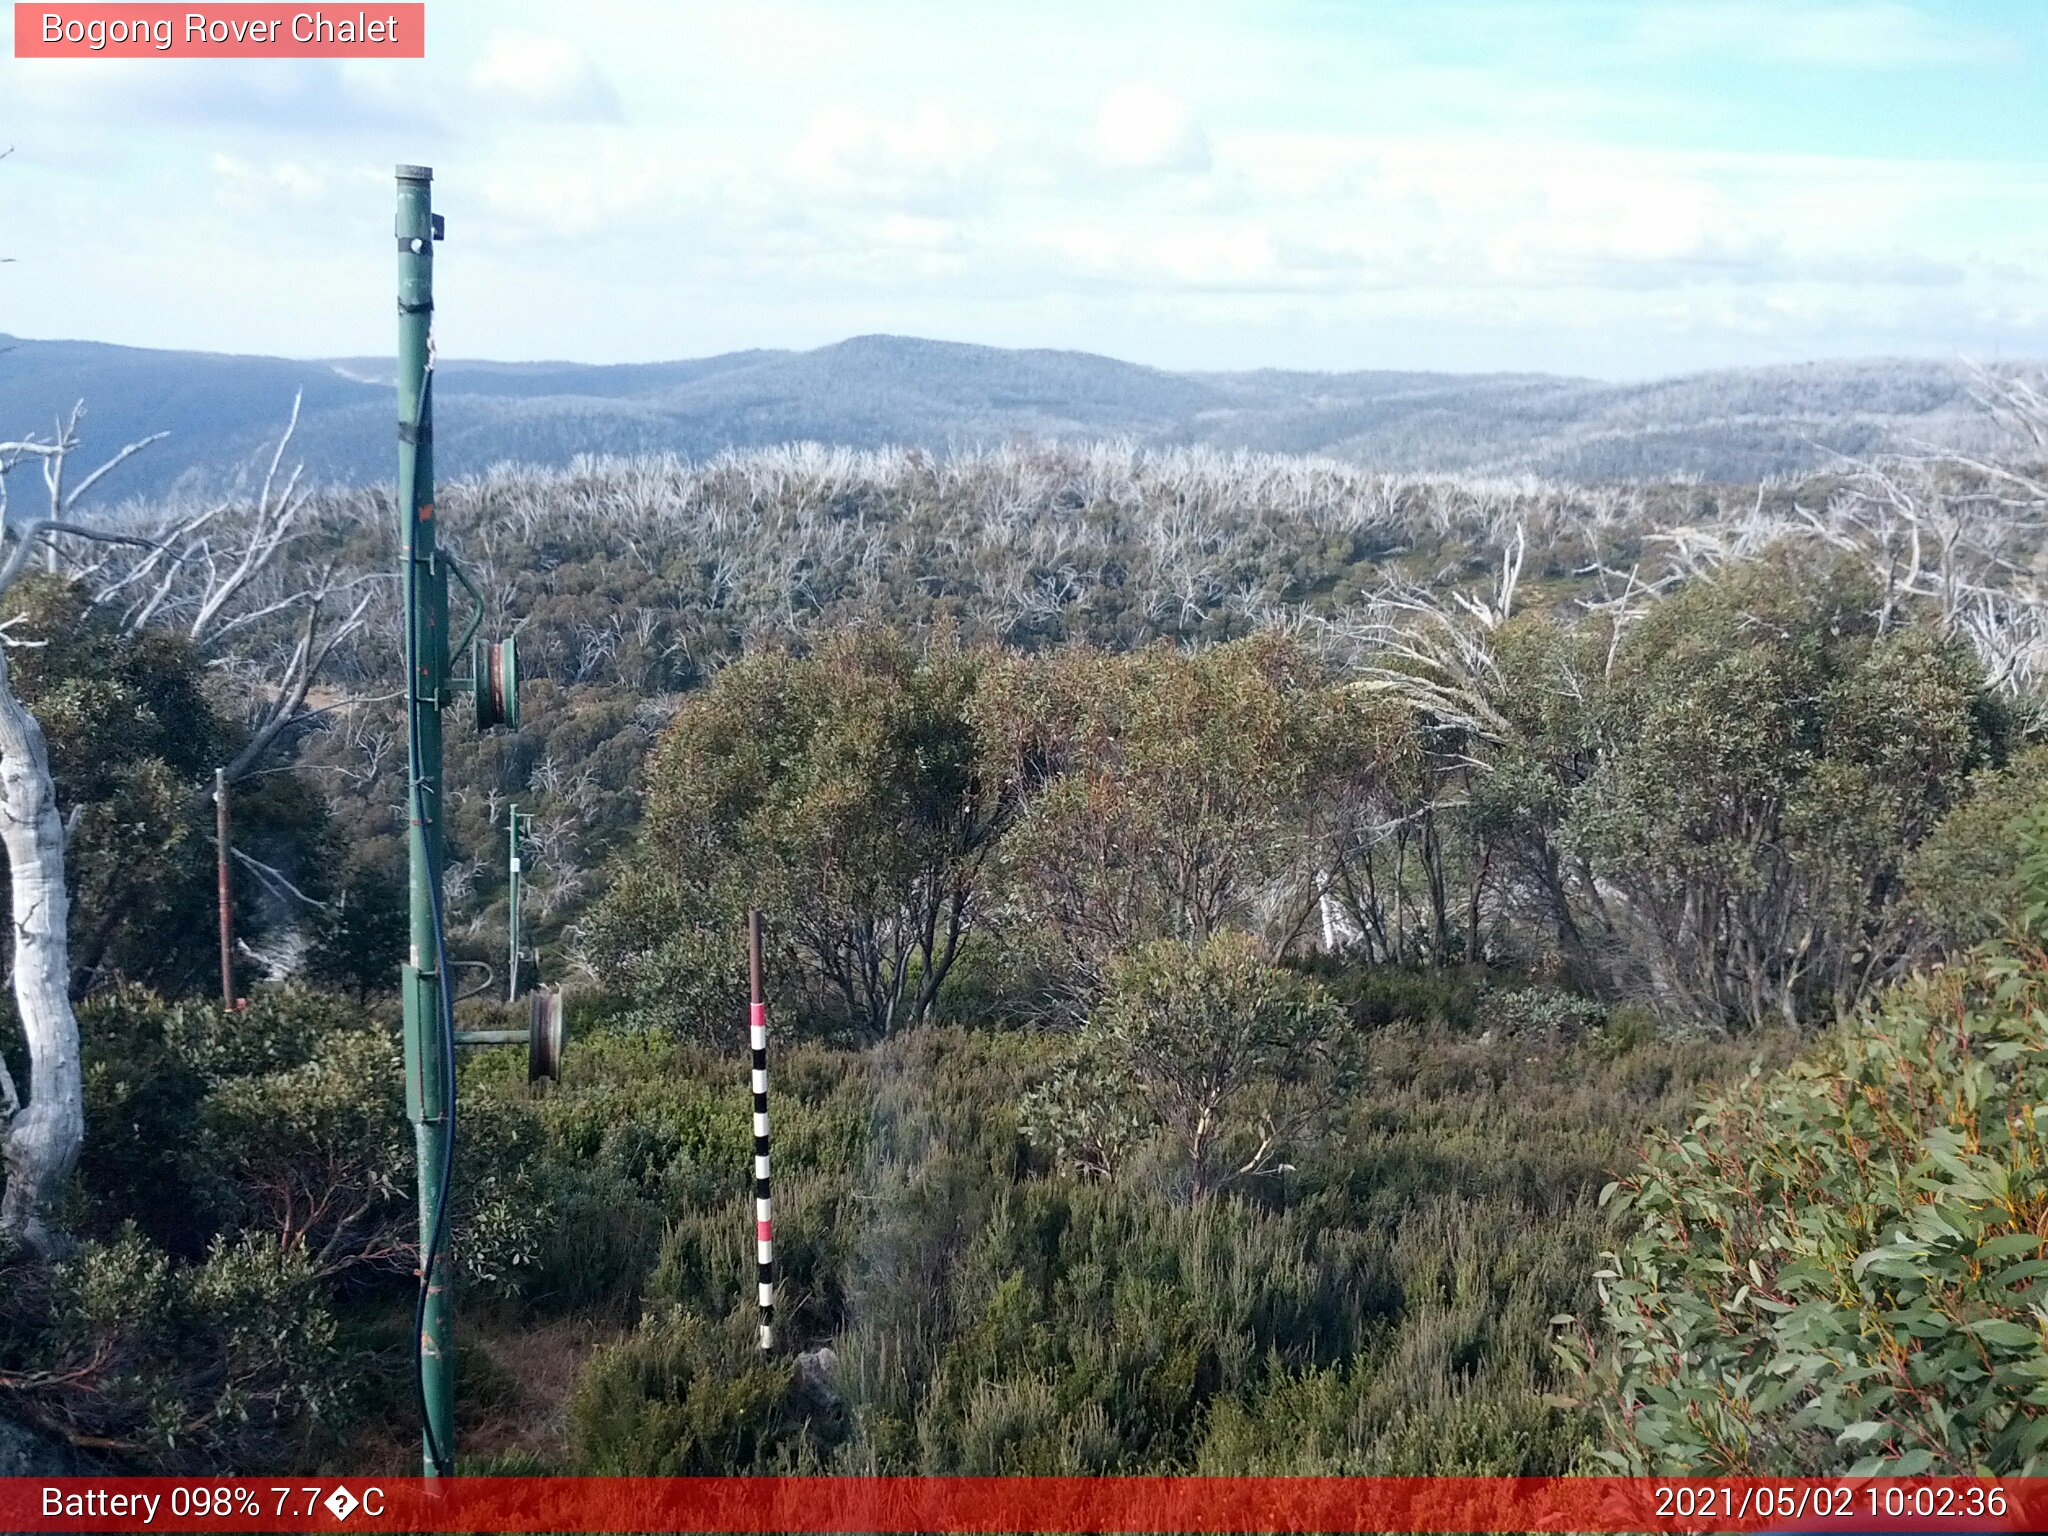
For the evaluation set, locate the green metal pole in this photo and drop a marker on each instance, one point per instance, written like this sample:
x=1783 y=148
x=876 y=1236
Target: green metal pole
x=428 y=1093
x=512 y=836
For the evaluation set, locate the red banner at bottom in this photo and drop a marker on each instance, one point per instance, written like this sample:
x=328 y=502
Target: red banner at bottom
x=993 y=1504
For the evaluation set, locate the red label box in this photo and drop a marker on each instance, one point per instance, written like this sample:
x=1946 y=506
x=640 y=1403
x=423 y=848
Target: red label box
x=903 y=1505
x=370 y=30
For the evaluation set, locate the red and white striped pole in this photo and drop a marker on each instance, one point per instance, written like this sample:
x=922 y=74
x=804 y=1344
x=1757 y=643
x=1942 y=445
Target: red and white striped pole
x=764 y=1222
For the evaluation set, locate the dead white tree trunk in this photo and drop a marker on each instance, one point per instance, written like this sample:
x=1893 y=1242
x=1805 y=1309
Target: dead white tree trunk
x=45 y=1130
x=45 y=1133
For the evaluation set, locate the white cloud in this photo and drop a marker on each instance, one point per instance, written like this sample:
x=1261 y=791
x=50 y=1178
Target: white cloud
x=850 y=145
x=1143 y=128
x=919 y=233
x=292 y=180
x=543 y=77
x=614 y=189
x=1362 y=216
x=934 y=160
x=1855 y=34
x=1241 y=188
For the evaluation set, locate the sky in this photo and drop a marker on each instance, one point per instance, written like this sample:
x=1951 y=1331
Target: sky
x=1617 y=188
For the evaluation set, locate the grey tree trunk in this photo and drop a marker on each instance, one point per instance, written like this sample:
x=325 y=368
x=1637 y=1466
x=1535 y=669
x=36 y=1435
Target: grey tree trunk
x=45 y=1132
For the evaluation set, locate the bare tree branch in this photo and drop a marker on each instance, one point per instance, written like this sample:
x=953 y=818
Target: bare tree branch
x=275 y=878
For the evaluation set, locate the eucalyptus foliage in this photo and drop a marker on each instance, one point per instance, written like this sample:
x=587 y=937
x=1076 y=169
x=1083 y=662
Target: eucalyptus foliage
x=838 y=792
x=1168 y=794
x=1841 y=1267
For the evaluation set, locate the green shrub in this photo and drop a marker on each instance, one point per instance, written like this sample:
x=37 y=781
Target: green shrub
x=841 y=794
x=1839 y=1267
x=316 y=1153
x=359 y=938
x=226 y=1362
x=1963 y=883
x=1545 y=1014
x=286 y=1120
x=1761 y=752
x=1338 y=1421
x=1017 y=1427
x=684 y=1398
x=1629 y=1027
x=200 y=1122
x=1084 y=1115
x=1379 y=995
x=985 y=1317
x=281 y=1028
x=142 y=1094
x=1228 y=1057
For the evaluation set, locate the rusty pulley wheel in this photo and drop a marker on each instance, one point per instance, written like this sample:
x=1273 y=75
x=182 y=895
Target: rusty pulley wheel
x=497 y=684
x=544 y=1038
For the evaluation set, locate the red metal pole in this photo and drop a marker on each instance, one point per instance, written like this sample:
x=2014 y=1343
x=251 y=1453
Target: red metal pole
x=227 y=918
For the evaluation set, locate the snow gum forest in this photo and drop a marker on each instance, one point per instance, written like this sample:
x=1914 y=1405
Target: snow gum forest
x=1273 y=967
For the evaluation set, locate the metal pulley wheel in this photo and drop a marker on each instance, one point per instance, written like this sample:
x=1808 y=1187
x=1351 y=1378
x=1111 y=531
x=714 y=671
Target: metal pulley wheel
x=497 y=684
x=544 y=1038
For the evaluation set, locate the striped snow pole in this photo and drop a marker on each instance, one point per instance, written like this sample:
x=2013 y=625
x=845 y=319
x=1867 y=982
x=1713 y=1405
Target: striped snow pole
x=764 y=1224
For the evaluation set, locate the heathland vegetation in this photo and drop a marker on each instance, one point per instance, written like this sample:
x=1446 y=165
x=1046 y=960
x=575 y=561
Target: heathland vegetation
x=1275 y=968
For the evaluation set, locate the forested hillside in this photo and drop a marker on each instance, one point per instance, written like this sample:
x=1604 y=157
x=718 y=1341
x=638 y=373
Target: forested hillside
x=1230 y=917
x=944 y=397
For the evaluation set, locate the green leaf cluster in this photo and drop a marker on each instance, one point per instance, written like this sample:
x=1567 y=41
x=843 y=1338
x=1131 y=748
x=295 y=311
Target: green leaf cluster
x=1842 y=1266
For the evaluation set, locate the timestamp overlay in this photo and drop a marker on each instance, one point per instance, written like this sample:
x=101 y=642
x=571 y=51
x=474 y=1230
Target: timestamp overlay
x=945 y=1504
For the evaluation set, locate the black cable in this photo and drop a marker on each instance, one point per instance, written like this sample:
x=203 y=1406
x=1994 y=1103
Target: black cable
x=430 y=1256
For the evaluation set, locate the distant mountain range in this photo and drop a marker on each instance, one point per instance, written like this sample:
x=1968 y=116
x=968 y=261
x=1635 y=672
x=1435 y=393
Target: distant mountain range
x=873 y=390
